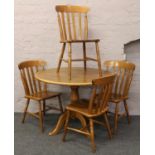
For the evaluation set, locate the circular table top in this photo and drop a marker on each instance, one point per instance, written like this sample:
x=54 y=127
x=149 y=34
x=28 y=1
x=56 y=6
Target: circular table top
x=79 y=76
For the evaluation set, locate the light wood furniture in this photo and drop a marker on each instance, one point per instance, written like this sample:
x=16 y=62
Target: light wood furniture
x=73 y=26
x=80 y=78
x=36 y=90
x=122 y=84
x=95 y=107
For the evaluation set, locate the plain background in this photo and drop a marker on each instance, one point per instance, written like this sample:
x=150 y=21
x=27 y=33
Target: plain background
x=7 y=77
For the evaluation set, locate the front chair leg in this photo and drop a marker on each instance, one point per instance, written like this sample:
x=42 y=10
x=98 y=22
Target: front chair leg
x=107 y=125
x=60 y=104
x=25 y=110
x=127 y=112
x=69 y=60
x=65 y=126
x=41 y=117
x=61 y=56
x=84 y=55
x=98 y=58
x=116 y=117
x=93 y=146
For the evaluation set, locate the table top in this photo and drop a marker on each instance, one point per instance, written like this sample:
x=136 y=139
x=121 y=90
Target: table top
x=79 y=76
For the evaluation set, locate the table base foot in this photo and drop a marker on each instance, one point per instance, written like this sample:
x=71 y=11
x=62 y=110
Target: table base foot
x=61 y=122
x=59 y=125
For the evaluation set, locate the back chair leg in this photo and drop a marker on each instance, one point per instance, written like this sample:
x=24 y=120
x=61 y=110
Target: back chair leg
x=107 y=125
x=44 y=107
x=60 y=104
x=127 y=112
x=116 y=117
x=98 y=59
x=41 y=117
x=65 y=126
x=69 y=60
x=93 y=146
x=61 y=56
x=25 y=110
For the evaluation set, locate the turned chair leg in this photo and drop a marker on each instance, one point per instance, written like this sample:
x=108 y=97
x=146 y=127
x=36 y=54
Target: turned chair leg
x=60 y=104
x=98 y=59
x=107 y=125
x=25 y=110
x=93 y=146
x=69 y=60
x=116 y=117
x=44 y=107
x=41 y=117
x=61 y=56
x=84 y=56
x=127 y=112
x=65 y=126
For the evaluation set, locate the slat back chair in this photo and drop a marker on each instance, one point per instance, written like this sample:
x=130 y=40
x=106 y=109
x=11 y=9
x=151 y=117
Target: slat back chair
x=122 y=84
x=97 y=106
x=32 y=86
x=73 y=26
x=35 y=89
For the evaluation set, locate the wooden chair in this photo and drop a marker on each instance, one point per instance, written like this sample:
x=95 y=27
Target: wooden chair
x=35 y=90
x=96 y=106
x=73 y=25
x=122 y=84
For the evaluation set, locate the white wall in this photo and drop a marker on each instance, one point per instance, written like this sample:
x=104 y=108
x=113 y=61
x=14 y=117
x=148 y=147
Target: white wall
x=115 y=22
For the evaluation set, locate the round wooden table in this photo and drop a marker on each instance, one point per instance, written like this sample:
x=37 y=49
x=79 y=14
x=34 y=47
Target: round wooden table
x=80 y=77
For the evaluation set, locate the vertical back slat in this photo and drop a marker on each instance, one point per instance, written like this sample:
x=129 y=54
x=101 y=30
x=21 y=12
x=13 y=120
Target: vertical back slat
x=85 y=27
x=117 y=80
x=103 y=93
x=64 y=25
x=91 y=102
x=60 y=27
x=24 y=80
x=74 y=25
x=39 y=83
x=129 y=75
x=45 y=85
x=34 y=80
x=103 y=99
x=69 y=26
x=80 y=26
x=107 y=95
x=99 y=95
x=30 y=80
x=121 y=81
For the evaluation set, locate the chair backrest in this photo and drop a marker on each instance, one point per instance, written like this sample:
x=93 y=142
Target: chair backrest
x=124 y=71
x=101 y=92
x=73 y=22
x=27 y=71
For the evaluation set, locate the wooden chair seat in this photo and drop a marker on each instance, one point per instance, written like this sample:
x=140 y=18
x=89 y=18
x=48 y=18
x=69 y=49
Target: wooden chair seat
x=80 y=41
x=43 y=95
x=83 y=108
x=116 y=98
